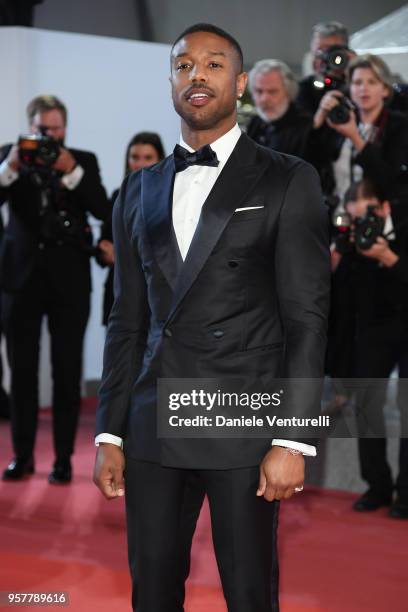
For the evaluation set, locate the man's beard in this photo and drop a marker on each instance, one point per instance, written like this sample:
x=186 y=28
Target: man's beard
x=277 y=114
x=205 y=121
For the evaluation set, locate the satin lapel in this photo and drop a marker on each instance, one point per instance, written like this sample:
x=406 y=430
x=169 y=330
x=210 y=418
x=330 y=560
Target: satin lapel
x=240 y=174
x=157 y=197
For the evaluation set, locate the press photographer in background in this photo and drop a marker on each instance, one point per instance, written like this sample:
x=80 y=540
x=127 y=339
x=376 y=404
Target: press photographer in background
x=359 y=137
x=330 y=55
x=45 y=270
x=370 y=263
x=144 y=149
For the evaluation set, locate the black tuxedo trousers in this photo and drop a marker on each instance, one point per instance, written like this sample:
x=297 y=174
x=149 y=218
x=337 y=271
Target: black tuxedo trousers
x=162 y=506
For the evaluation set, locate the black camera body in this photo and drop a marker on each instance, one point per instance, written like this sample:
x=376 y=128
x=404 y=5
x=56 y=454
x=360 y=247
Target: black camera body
x=362 y=233
x=367 y=229
x=35 y=149
x=335 y=60
x=340 y=113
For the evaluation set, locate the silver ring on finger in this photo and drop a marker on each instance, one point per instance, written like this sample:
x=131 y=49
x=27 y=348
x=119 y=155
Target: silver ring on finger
x=298 y=489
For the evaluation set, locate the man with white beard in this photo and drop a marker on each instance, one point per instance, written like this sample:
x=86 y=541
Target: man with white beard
x=278 y=125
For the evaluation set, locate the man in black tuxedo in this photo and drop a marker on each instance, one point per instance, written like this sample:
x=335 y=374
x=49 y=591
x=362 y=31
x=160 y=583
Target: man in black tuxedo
x=44 y=270
x=222 y=270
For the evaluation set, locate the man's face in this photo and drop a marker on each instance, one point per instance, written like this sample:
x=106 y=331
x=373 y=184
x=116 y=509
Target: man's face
x=270 y=95
x=51 y=123
x=205 y=80
x=358 y=208
x=319 y=45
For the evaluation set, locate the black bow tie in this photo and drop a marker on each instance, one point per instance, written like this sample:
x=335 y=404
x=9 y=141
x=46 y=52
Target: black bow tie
x=202 y=157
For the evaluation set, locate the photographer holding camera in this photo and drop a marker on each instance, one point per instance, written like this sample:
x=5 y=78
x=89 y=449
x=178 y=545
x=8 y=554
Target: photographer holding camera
x=45 y=270
x=370 y=262
x=360 y=136
x=330 y=56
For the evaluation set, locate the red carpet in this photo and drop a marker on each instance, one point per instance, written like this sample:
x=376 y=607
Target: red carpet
x=70 y=539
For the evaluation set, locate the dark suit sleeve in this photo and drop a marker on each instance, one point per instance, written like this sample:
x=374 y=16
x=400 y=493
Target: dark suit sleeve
x=90 y=193
x=127 y=328
x=303 y=286
x=400 y=269
x=106 y=229
x=4 y=191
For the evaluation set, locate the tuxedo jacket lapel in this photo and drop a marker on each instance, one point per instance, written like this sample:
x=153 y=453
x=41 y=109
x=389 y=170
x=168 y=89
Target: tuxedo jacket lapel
x=239 y=176
x=157 y=197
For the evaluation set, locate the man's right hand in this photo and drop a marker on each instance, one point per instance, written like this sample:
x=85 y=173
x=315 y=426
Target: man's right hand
x=13 y=159
x=109 y=469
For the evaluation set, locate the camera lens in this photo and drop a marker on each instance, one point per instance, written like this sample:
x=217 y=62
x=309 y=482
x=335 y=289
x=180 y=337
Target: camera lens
x=339 y=114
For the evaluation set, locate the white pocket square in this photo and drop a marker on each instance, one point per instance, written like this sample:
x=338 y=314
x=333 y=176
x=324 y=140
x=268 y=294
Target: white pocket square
x=248 y=208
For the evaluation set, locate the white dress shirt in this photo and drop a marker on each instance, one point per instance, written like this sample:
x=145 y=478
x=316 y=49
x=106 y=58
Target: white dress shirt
x=191 y=189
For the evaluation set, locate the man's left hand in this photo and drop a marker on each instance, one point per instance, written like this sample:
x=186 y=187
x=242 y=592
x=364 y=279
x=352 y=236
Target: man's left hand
x=65 y=162
x=280 y=473
x=381 y=252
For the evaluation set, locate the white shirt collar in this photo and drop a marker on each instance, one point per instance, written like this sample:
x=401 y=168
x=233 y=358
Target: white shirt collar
x=223 y=146
x=388 y=230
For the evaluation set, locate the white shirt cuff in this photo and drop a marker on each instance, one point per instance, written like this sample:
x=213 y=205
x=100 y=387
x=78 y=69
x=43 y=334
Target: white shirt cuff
x=72 y=180
x=305 y=449
x=105 y=437
x=7 y=174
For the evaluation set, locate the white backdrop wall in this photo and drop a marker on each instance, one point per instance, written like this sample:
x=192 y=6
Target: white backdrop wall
x=113 y=88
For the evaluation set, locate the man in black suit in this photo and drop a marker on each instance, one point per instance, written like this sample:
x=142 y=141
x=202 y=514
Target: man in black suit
x=278 y=124
x=44 y=270
x=222 y=270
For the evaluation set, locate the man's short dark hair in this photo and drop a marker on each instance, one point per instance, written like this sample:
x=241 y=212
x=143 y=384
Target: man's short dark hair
x=365 y=188
x=212 y=29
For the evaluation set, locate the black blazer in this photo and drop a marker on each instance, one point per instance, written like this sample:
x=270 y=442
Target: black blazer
x=289 y=134
x=19 y=246
x=260 y=277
